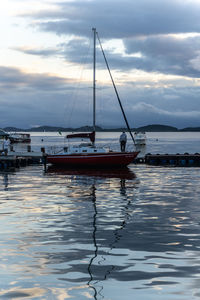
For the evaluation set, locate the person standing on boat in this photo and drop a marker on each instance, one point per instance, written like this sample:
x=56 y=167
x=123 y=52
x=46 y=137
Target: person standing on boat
x=6 y=145
x=123 y=140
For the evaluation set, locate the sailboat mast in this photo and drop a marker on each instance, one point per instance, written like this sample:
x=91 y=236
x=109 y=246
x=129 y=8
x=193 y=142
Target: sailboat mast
x=94 y=81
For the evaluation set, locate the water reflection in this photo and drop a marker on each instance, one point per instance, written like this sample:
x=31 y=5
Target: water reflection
x=142 y=149
x=94 y=241
x=23 y=293
x=122 y=173
x=100 y=235
x=97 y=269
x=5 y=180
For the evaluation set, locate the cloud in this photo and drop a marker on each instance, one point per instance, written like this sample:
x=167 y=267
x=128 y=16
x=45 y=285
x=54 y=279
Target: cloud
x=149 y=108
x=121 y=19
x=31 y=98
x=166 y=54
x=15 y=79
x=151 y=28
x=152 y=46
x=44 y=52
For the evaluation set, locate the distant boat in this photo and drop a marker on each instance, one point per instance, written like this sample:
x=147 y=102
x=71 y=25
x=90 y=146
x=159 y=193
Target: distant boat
x=140 y=138
x=19 y=137
x=88 y=154
x=3 y=134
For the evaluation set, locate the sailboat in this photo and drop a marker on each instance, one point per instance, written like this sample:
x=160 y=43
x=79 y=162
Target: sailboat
x=88 y=154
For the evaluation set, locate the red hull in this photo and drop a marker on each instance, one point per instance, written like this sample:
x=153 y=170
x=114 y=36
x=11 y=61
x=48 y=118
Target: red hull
x=13 y=140
x=114 y=159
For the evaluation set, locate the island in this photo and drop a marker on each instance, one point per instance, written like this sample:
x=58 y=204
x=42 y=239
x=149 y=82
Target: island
x=147 y=128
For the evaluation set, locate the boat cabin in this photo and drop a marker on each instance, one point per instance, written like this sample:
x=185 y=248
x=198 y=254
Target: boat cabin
x=84 y=148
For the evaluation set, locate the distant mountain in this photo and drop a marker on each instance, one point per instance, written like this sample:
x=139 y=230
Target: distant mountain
x=46 y=128
x=190 y=129
x=148 y=128
x=87 y=128
x=13 y=129
x=54 y=129
x=156 y=128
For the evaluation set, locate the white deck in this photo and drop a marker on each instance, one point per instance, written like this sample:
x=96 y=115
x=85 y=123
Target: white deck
x=81 y=148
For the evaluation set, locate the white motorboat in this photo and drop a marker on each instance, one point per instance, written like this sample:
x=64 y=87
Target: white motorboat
x=140 y=138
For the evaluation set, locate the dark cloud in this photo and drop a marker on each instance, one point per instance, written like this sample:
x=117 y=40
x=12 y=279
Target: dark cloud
x=40 y=52
x=144 y=26
x=77 y=50
x=163 y=54
x=42 y=99
x=166 y=54
x=122 y=19
x=31 y=98
x=15 y=79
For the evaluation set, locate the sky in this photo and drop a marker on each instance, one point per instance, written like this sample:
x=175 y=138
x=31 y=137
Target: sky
x=152 y=47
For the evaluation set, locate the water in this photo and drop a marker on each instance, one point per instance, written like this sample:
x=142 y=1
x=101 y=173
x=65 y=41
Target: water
x=102 y=235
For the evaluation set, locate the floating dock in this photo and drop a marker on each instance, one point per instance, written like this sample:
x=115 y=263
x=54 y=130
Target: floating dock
x=177 y=160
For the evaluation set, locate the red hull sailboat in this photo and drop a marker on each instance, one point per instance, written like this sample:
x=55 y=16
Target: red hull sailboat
x=88 y=154
x=107 y=159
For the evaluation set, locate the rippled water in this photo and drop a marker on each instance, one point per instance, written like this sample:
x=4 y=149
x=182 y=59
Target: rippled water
x=100 y=235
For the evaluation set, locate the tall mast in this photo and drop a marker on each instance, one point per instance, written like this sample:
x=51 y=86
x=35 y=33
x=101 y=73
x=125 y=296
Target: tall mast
x=94 y=81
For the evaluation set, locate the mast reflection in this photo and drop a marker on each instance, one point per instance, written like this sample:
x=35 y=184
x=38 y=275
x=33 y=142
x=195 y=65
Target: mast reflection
x=5 y=180
x=93 y=197
x=95 y=283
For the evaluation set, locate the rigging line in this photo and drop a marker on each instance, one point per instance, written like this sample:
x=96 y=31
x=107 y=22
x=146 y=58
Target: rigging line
x=76 y=89
x=120 y=104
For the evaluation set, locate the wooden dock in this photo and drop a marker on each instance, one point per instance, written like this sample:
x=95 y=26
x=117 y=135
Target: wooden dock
x=18 y=159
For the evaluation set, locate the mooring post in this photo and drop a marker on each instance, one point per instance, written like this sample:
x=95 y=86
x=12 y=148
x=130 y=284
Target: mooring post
x=44 y=158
